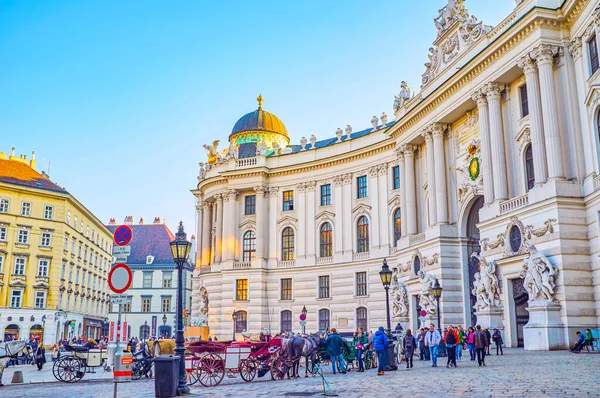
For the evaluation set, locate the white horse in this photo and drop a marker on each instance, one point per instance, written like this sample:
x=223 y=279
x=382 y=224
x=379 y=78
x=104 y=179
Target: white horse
x=11 y=350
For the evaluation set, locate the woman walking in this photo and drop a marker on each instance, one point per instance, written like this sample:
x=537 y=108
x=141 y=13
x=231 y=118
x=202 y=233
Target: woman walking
x=451 y=339
x=471 y=343
x=361 y=342
x=409 y=345
x=40 y=356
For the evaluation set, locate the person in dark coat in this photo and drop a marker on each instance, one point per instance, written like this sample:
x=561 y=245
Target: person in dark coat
x=497 y=338
x=409 y=345
x=480 y=342
x=488 y=337
x=380 y=342
x=334 y=349
x=40 y=357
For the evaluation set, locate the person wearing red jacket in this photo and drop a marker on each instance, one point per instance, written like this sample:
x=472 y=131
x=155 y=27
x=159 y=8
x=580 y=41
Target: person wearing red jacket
x=451 y=341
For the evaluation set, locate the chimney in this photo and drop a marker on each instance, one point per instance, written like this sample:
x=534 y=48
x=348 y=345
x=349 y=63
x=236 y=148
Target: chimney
x=32 y=163
x=112 y=221
x=142 y=221
x=128 y=220
x=156 y=220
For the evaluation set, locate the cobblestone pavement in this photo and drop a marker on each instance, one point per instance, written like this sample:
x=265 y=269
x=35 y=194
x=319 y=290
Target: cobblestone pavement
x=516 y=374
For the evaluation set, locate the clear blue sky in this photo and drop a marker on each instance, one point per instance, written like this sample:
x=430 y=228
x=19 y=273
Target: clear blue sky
x=121 y=95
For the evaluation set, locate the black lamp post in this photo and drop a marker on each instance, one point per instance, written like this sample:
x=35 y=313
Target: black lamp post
x=234 y=318
x=145 y=330
x=386 y=279
x=437 y=293
x=180 y=249
x=304 y=312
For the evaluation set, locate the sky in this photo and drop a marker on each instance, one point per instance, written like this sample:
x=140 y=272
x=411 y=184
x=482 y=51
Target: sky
x=117 y=97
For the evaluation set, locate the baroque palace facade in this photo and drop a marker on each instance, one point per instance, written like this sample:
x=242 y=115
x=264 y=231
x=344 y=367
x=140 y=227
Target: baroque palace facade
x=486 y=180
x=54 y=258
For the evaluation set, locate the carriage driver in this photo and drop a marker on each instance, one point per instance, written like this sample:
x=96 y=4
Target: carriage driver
x=90 y=343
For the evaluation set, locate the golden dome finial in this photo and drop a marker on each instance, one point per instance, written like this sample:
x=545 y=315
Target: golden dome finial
x=260 y=100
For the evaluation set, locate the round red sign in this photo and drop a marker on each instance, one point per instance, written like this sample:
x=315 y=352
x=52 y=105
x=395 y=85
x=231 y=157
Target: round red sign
x=122 y=235
x=302 y=317
x=119 y=278
x=423 y=313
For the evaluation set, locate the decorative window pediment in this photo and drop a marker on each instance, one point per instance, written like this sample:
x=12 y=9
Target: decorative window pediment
x=325 y=216
x=247 y=224
x=18 y=284
x=41 y=285
x=361 y=210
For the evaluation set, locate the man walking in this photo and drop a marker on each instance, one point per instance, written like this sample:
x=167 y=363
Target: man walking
x=432 y=339
x=480 y=341
x=334 y=349
x=380 y=343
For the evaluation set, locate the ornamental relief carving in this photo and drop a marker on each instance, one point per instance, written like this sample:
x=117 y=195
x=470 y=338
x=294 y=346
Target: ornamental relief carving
x=517 y=237
x=470 y=178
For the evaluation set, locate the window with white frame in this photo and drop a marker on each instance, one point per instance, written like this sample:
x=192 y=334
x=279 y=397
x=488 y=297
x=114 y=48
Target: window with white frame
x=46 y=239
x=3 y=231
x=23 y=236
x=167 y=279
x=69 y=217
x=147 y=281
x=43 y=265
x=40 y=300
x=20 y=265
x=4 y=205
x=26 y=209
x=64 y=269
x=81 y=227
x=15 y=298
x=87 y=231
x=1 y=262
x=166 y=304
x=75 y=223
x=48 y=212
x=146 y=304
x=66 y=247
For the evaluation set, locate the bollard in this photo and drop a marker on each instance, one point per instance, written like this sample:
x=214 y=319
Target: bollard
x=122 y=369
x=17 y=377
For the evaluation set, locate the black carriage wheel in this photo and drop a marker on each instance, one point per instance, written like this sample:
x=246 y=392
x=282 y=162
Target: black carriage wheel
x=194 y=373
x=69 y=369
x=138 y=370
x=248 y=369
x=56 y=369
x=212 y=370
x=278 y=368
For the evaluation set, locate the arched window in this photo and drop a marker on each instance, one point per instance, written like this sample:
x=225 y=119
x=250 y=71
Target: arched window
x=241 y=321
x=287 y=244
x=397 y=227
x=529 y=172
x=144 y=332
x=326 y=240
x=361 y=318
x=286 y=321
x=362 y=235
x=249 y=246
x=324 y=320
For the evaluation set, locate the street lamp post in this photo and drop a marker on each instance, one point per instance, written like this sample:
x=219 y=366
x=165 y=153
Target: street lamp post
x=145 y=330
x=437 y=293
x=180 y=249
x=386 y=278
x=234 y=318
x=304 y=312
x=164 y=319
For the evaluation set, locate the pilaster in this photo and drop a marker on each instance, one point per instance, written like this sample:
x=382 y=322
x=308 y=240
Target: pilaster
x=431 y=188
x=493 y=91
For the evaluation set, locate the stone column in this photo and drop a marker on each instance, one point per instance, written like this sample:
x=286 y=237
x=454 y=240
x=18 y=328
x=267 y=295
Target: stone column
x=384 y=225
x=273 y=211
x=373 y=193
x=486 y=158
x=338 y=209
x=230 y=238
x=310 y=221
x=535 y=118
x=206 y=226
x=410 y=190
x=402 y=172
x=544 y=55
x=347 y=214
x=219 y=229
x=300 y=207
x=199 y=213
x=431 y=187
x=260 y=221
x=440 y=173
x=493 y=91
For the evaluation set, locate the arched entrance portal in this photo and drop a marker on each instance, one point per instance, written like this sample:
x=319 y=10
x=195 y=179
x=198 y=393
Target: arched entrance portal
x=471 y=263
x=521 y=315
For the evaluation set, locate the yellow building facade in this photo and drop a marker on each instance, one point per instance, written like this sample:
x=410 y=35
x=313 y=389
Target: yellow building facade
x=54 y=258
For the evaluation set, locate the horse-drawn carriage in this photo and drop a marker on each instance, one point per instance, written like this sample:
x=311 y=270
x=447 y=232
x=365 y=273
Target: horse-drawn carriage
x=72 y=366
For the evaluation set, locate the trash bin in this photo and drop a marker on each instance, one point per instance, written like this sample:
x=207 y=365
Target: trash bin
x=123 y=367
x=166 y=375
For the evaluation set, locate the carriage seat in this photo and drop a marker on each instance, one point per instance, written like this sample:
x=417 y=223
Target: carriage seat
x=75 y=348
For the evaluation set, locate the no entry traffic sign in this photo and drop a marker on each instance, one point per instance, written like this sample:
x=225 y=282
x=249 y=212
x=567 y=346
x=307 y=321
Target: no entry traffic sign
x=122 y=235
x=119 y=278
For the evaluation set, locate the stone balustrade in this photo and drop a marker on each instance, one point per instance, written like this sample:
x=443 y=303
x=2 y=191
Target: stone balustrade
x=324 y=260
x=242 y=264
x=246 y=162
x=361 y=256
x=286 y=264
x=596 y=182
x=514 y=203
x=415 y=239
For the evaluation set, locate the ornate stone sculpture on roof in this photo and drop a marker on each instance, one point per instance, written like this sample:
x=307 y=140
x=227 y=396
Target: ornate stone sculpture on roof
x=538 y=278
x=211 y=151
x=403 y=97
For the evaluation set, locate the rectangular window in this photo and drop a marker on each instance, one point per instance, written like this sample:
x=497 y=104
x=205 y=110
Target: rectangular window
x=286 y=289
x=250 y=205
x=166 y=304
x=87 y=231
x=147 y=280
x=46 y=239
x=241 y=289
x=69 y=217
x=15 y=298
x=75 y=224
x=48 y=212
x=3 y=231
x=146 y=301
x=361 y=187
x=81 y=227
x=325 y=195
x=286 y=321
x=524 y=102
x=40 y=300
x=167 y=279
x=1 y=263
x=63 y=271
x=126 y=306
x=66 y=246
x=23 y=236
x=361 y=318
x=324 y=286
x=396 y=177
x=288 y=200
x=26 y=209
x=20 y=265
x=324 y=320
x=361 y=283
x=593 y=49
x=43 y=267
x=4 y=205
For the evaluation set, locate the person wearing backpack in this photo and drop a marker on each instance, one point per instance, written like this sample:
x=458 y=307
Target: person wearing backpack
x=451 y=340
x=409 y=348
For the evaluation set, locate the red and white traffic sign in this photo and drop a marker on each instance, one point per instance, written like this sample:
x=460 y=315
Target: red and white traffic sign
x=119 y=278
x=122 y=235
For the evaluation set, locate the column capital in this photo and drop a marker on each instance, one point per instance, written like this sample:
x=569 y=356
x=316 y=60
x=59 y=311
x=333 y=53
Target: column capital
x=310 y=186
x=399 y=152
x=218 y=197
x=374 y=171
x=273 y=191
x=260 y=189
x=337 y=181
x=230 y=194
x=427 y=135
x=383 y=169
x=527 y=64
x=301 y=187
x=347 y=178
x=205 y=206
x=437 y=128
x=409 y=149
x=575 y=48
x=493 y=90
x=479 y=97
x=544 y=54
x=199 y=206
